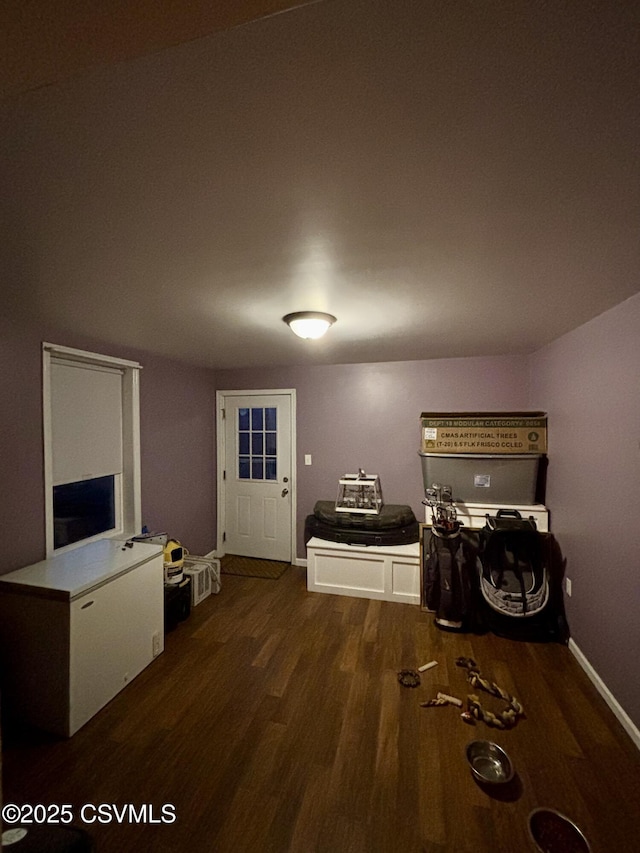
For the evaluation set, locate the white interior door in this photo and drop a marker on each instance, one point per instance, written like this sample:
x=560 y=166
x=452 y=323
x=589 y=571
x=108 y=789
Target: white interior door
x=258 y=475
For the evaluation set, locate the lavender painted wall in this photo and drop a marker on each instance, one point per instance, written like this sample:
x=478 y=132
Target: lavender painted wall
x=177 y=405
x=367 y=415
x=588 y=383
x=22 y=496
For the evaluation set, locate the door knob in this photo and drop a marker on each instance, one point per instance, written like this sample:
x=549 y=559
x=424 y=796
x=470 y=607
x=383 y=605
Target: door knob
x=285 y=492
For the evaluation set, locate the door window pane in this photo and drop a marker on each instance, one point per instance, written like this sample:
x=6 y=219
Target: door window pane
x=257 y=444
x=270 y=469
x=257 y=419
x=270 y=443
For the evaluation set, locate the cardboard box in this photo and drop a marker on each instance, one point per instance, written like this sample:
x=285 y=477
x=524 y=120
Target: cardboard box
x=483 y=432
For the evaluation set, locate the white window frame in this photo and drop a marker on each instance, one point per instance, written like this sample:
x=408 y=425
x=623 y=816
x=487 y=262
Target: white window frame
x=127 y=485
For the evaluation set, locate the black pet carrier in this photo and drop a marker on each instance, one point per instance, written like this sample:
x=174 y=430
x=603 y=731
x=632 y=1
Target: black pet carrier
x=514 y=579
x=513 y=575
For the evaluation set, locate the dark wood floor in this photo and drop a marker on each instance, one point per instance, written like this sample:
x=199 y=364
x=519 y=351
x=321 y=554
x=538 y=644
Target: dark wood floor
x=274 y=721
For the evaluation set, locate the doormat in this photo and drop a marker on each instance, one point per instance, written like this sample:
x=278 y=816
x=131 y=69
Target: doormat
x=250 y=567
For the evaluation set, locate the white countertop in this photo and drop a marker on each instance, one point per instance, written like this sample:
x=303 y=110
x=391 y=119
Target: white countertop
x=473 y=515
x=411 y=549
x=77 y=572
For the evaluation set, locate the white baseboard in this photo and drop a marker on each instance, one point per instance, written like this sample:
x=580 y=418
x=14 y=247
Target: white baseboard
x=623 y=718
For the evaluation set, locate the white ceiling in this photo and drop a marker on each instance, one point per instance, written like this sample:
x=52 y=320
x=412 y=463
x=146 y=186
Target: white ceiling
x=448 y=177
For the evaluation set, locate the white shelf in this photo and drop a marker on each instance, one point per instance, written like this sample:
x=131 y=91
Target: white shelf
x=472 y=515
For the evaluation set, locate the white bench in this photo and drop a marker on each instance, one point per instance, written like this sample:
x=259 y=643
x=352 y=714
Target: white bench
x=389 y=573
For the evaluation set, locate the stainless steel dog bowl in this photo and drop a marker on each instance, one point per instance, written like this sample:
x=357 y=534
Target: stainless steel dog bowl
x=489 y=763
x=553 y=832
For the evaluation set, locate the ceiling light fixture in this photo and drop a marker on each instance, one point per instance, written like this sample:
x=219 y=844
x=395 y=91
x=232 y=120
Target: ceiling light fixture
x=309 y=324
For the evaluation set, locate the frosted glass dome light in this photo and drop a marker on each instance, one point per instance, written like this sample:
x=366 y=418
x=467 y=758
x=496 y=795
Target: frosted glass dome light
x=309 y=324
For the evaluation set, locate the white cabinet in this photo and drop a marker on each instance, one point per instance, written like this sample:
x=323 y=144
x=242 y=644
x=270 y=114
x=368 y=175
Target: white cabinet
x=75 y=629
x=387 y=572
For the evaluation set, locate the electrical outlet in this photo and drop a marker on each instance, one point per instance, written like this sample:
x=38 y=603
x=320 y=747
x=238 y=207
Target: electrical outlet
x=155 y=643
x=567 y=586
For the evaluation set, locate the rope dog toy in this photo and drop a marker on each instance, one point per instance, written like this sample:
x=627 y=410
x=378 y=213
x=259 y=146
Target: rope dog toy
x=505 y=719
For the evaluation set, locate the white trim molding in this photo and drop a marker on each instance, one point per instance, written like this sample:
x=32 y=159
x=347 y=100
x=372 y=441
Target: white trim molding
x=128 y=481
x=221 y=456
x=623 y=718
x=88 y=357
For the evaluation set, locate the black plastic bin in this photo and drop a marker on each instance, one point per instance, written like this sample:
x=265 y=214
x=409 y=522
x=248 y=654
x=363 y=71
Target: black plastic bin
x=177 y=603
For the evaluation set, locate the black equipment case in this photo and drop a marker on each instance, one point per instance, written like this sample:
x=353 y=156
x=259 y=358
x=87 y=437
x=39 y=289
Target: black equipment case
x=519 y=585
x=395 y=524
x=177 y=603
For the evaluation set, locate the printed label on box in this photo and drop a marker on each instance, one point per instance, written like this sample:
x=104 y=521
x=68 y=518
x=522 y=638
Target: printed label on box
x=482 y=481
x=456 y=440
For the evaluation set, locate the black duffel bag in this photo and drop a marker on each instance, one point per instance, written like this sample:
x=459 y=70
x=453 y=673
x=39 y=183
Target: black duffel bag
x=390 y=515
x=395 y=524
